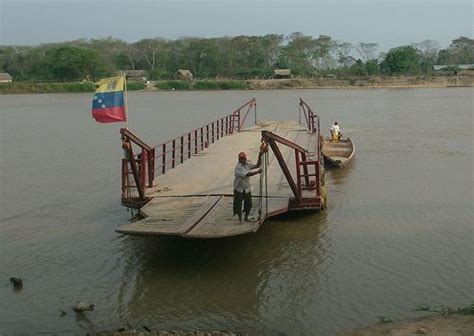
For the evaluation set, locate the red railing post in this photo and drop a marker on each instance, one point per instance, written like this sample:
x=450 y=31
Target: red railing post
x=151 y=168
x=305 y=170
x=182 y=149
x=163 y=159
x=143 y=164
x=173 y=154
x=195 y=142
x=189 y=145
x=202 y=138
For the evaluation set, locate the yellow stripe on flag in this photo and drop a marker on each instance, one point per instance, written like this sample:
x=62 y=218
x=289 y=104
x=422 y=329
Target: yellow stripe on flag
x=111 y=84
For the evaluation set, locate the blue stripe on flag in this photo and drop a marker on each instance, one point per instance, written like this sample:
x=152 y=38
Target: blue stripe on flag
x=107 y=99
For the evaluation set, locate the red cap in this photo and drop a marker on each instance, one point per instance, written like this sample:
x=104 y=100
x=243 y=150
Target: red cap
x=242 y=155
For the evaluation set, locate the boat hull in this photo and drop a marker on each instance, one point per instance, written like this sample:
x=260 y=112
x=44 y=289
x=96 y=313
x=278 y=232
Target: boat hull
x=338 y=154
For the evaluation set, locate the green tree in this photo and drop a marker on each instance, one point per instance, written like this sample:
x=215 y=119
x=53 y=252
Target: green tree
x=68 y=63
x=372 y=67
x=298 y=54
x=358 y=68
x=402 y=60
x=462 y=51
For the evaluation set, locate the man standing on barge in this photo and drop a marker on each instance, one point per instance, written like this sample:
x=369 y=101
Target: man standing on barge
x=243 y=171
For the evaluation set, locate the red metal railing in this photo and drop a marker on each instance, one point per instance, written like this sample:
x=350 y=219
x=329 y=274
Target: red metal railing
x=307 y=172
x=135 y=168
x=139 y=170
x=313 y=124
x=174 y=152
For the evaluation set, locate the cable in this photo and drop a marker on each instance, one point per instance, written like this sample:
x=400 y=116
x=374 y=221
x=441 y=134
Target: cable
x=260 y=198
x=265 y=157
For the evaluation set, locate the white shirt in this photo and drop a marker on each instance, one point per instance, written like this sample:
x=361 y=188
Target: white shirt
x=241 y=180
x=335 y=128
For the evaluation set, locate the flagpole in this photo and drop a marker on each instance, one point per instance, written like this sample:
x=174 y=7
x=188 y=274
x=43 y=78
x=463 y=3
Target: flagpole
x=126 y=100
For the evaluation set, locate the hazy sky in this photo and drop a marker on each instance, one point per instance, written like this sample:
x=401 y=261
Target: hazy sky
x=388 y=23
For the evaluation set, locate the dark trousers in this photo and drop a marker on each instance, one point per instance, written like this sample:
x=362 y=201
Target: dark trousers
x=238 y=198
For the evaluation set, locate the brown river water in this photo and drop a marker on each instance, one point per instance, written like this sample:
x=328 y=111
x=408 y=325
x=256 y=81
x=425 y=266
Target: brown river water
x=398 y=232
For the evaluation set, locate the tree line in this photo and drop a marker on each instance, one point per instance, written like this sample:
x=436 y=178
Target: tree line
x=240 y=57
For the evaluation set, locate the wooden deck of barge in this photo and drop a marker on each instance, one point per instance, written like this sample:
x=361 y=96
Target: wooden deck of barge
x=194 y=199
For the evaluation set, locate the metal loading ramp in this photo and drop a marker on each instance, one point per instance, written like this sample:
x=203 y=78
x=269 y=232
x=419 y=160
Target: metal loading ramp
x=195 y=200
x=201 y=217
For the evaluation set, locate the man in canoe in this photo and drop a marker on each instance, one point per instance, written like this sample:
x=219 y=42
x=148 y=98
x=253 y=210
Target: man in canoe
x=335 y=132
x=243 y=171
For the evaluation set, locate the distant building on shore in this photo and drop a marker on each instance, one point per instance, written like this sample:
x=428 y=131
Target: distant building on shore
x=5 y=77
x=184 y=75
x=281 y=73
x=134 y=75
x=455 y=69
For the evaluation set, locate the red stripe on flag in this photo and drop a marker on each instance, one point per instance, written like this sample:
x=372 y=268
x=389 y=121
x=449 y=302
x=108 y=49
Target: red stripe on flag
x=109 y=114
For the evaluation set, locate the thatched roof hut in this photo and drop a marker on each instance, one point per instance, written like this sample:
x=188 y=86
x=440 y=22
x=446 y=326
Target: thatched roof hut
x=5 y=77
x=184 y=74
x=282 y=73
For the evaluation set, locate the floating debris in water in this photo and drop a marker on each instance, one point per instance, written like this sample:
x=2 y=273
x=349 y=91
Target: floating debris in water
x=17 y=283
x=83 y=306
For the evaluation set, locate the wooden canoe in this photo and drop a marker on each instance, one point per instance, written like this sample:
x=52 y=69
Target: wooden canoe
x=338 y=154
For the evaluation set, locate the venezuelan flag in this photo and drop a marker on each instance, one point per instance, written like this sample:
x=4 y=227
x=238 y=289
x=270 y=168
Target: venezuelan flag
x=108 y=103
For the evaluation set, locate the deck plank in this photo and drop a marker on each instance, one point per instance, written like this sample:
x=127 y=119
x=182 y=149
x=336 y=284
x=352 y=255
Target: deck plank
x=171 y=215
x=220 y=222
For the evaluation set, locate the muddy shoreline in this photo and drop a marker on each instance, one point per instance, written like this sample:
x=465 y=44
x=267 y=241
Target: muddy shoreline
x=358 y=82
x=433 y=325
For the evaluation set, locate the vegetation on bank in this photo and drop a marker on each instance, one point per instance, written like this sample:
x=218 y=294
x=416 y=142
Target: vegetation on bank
x=68 y=87
x=444 y=310
x=202 y=85
x=270 y=84
x=167 y=85
x=230 y=58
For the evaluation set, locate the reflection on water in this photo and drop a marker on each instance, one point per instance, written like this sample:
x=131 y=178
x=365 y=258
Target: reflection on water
x=397 y=232
x=228 y=282
x=337 y=175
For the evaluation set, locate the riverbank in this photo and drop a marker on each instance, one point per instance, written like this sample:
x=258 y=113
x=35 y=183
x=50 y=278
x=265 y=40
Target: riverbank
x=436 y=325
x=363 y=82
x=254 y=84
